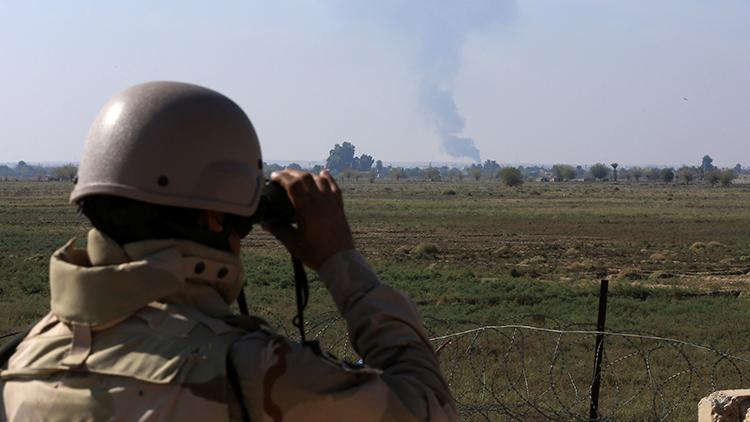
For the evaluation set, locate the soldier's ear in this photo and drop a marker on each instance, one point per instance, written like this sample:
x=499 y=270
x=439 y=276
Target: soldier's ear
x=213 y=220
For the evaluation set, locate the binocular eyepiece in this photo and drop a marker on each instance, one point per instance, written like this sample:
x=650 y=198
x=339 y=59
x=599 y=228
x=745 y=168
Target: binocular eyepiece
x=273 y=206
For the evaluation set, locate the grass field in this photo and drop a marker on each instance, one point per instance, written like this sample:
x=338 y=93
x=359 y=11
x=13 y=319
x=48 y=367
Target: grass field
x=473 y=254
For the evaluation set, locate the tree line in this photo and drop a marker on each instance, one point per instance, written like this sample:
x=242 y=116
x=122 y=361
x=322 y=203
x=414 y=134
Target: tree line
x=344 y=163
x=22 y=170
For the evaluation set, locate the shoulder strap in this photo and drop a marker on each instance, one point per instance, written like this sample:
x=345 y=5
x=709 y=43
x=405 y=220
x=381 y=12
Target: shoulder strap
x=234 y=382
x=8 y=349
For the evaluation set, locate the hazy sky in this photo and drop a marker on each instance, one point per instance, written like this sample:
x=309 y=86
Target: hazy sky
x=575 y=81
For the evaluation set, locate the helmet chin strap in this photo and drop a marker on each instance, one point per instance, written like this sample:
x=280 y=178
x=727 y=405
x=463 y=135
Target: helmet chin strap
x=302 y=295
x=242 y=302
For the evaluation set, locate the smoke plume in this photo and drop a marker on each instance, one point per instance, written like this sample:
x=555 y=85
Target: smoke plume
x=437 y=30
x=440 y=107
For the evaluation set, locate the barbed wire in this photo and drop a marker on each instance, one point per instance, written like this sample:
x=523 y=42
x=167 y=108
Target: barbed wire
x=644 y=376
x=531 y=372
x=591 y=332
x=521 y=371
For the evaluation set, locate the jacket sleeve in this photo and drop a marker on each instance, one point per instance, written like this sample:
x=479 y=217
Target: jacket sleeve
x=283 y=380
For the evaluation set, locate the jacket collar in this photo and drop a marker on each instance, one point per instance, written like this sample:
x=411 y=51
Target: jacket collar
x=108 y=282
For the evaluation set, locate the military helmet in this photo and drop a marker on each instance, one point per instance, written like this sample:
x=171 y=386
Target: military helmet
x=174 y=144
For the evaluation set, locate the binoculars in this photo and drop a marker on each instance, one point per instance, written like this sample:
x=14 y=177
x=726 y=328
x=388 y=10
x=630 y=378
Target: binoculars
x=273 y=206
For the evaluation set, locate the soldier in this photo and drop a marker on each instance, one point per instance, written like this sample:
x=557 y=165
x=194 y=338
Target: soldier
x=140 y=326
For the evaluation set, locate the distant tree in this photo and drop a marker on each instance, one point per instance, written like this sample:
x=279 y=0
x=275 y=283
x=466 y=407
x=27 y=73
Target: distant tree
x=432 y=174
x=414 y=172
x=475 y=172
x=557 y=171
x=531 y=172
x=379 y=167
x=365 y=162
x=652 y=174
x=455 y=174
x=490 y=169
x=614 y=170
x=65 y=172
x=726 y=177
x=569 y=173
x=667 y=175
x=712 y=177
x=6 y=171
x=340 y=157
x=372 y=175
x=294 y=166
x=316 y=169
x=599 y=171
x=738 y=168
x=686 y=174
x=563 y=172
x=707 y=164
x=637 y=173
x=511 y=176
x=24 y=170
x=399 y=173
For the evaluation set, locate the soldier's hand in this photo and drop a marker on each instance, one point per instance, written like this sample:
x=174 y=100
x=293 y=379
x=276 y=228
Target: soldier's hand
x=322 y=229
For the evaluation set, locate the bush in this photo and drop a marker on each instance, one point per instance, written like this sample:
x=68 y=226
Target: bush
x=687 y=174
x=599 y=171
x=432 y=174
x=564 y=172
x=425 y=249
x=511 y=176
x=726 y=177
x=712 y=177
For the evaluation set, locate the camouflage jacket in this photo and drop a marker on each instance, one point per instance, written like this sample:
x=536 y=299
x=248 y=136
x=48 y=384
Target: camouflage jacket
x=141 y=332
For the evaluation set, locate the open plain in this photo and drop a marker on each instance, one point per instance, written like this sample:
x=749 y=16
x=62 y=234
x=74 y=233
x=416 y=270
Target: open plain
x=526 y=261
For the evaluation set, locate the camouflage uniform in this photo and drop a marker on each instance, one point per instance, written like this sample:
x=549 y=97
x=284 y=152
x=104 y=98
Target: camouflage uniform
x=144 y=331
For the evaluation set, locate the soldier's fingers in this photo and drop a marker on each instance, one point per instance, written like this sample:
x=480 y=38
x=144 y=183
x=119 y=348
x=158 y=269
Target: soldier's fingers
x=284 y=178
x=309 y=181
x=294 y=172
x=287 y=175
x=296 y=183
x=331 y=181
x=323 y=184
